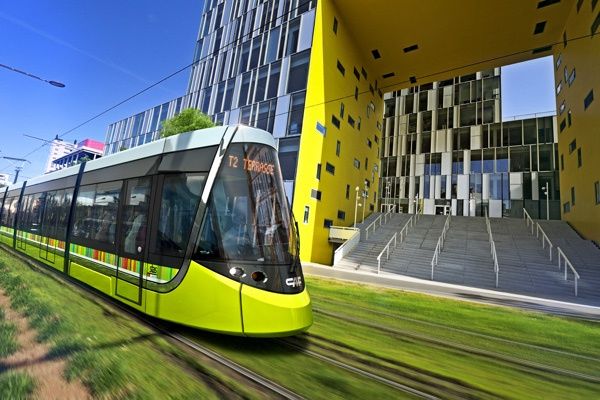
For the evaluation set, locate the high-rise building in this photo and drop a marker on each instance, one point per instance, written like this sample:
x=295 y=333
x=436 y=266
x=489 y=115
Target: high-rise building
x=314 y=73
x=86 y=150
x=445 y=149
x=58 y=148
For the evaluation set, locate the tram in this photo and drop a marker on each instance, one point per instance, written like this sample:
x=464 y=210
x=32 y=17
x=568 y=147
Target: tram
x=193 y=229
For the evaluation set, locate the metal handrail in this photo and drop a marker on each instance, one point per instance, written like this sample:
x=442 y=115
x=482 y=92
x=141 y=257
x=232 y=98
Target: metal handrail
x=386 y=249
x=528 y=219
x=567 y=263
x=372 y=224
x=545 y=239
x=347 y=246
x=405 y=228
x=492 y=246
x=440 y=245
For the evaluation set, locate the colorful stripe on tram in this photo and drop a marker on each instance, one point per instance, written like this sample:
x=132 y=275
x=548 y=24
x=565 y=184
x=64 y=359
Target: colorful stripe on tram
x=39 y=239
x=157 y=273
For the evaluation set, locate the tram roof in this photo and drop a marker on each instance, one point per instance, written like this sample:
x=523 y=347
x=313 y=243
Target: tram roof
x=185 y=141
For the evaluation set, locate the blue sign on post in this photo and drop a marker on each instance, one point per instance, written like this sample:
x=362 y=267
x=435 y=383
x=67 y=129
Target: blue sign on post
x=321 y=128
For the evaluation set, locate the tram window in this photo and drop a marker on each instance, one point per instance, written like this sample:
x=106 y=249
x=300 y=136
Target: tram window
x=10 y=207
x=64 y=201
x=23 y=213
x=51 y=213
x=34 y=210
x=135 y=215
x=96 y=212
x=179 y=200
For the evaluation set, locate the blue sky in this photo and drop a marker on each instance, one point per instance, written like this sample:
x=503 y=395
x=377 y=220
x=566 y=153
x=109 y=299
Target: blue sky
x=105 y=51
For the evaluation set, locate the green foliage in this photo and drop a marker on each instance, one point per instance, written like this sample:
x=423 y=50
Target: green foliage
x=188 y=120
x=16 y=386
x=8 y=345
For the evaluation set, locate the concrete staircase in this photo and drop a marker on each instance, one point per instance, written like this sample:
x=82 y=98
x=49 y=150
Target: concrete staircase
x=524 y=267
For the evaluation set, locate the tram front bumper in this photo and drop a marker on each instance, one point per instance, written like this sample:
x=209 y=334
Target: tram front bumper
x=274 y=314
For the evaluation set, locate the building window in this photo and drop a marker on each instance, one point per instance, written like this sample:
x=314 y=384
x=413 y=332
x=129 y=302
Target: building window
x=358 y=123
x=366 y=162
x=588 y=100
x=569 y=118
x=571 y=77
x=306 y=214
x=298 y=73
x=370 y=109
x=338 y=147
x=369 y=143
x=356 y=93
x=561 y=109
x=562 y=162
x=579 y=159
x=315 y=194
x=595 y=24
x=341 y=68
x=347 y=192
x=327 y=223
x=341 y=110
x=558 y=61
x=566 y=207
x=330 y=168
x=364 y=73
x=356 y=164
x=351 y=121
x=563 y=125
x=335 y=25
x=597 y=191
x=579 y=4
x=319 y=171
x=572 y=195
x=341 y=215
x=335 y=121
x=356 y=74
x=558 y=88
x=572 y=146
x=565 y=39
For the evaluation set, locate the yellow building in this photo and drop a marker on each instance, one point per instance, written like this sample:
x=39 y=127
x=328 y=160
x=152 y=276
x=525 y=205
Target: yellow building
x=403 y=43
x=314 y=73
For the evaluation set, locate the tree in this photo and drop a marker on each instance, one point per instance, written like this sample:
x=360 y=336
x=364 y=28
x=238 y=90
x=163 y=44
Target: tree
x=188 y=120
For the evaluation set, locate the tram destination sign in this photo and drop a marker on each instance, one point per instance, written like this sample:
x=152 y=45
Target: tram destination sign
x=251 y=165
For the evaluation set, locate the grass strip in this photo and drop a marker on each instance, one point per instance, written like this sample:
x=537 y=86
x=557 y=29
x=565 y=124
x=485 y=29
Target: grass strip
x=16 y=386
x=8 y=344
x=114 y=356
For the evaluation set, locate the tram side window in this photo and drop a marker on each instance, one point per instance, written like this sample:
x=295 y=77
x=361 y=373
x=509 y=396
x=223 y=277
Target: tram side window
x=135 y=215
x=35 y=209
x=51 y=212
x=64 y=208
x=23 y=213
x=179 y=201
x=96 y=212
x=10 y=208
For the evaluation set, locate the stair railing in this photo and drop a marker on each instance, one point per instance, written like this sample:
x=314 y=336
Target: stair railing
x=544 y=239
x=386 y=250
x=528 y=219
x=404 y=230
x=439 y=246
x=492 y=246
x=567 y=264
x=373 y=225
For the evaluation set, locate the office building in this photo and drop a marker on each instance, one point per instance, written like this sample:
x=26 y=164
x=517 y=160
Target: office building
x=58 y=148
x=314 y=74
x=446 y=150
x=86 y=150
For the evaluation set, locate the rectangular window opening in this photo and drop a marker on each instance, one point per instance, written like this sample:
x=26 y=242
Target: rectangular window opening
x=341 y=68
x=588 y=100
x=306 y=214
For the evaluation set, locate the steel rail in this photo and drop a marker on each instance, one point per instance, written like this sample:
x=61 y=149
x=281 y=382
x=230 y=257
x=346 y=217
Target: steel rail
x=96 y=296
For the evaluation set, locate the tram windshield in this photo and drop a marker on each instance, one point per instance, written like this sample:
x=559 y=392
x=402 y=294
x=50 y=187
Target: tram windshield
x=247 y=216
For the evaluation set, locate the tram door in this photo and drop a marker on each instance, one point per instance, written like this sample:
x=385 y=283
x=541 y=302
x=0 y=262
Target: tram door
x=48 y=228
x=133 y=239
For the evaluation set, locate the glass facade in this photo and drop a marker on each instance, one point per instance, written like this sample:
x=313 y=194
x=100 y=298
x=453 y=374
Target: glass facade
x=446 y=149
x=251 y=67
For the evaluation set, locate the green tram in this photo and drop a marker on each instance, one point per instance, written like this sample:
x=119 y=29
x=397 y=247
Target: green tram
x=194 y=229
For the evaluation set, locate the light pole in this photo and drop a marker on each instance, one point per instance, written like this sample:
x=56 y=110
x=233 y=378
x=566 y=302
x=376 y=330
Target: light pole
x=364 y=195
x=547 y=193
x=387 y=196
x=53 y=83
x=356 y=205
x=18 y=168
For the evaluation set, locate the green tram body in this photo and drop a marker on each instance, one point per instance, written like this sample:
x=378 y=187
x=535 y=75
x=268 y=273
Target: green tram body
x=150 y=227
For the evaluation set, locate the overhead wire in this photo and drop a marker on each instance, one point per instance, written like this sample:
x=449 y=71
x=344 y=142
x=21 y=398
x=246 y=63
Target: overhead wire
x=238 y=41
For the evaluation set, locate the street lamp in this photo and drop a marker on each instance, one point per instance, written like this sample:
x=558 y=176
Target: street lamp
x=547 y=193
x=364 y=195
x=53 y=83
x=356 y=205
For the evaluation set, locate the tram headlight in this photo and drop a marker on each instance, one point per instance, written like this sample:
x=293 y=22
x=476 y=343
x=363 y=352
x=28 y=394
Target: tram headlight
x=259 y=276
x=237 y=272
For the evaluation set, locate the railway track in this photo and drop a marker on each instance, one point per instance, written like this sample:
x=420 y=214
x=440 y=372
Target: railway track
x=463 y=331
x=268 y=387
x=445 y=344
